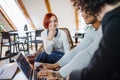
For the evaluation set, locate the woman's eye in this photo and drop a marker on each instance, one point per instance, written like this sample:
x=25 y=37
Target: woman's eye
x=53 y=21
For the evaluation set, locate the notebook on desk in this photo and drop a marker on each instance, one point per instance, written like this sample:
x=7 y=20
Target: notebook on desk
x=25 y=67
x=7 y=71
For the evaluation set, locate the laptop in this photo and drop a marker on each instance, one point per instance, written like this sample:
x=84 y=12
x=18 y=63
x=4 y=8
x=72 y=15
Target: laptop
x=24 y=66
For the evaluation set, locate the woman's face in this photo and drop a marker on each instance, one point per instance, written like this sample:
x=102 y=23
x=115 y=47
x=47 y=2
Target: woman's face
x=89 y=19
x=53 y=23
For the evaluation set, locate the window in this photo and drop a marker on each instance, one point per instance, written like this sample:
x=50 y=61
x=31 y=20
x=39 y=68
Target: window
x=14 y=13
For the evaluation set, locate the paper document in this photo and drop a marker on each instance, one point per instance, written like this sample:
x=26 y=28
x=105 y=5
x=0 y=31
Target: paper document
x=7 y=71
x=20 y=76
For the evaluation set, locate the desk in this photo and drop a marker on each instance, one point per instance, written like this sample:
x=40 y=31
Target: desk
x=77 y=36
x=14 y=34
x=8 y=71
x=26 y=37
x=20 y=76
x=29 y=35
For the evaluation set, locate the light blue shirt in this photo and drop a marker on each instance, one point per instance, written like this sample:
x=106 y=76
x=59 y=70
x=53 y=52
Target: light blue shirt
x=80 y=56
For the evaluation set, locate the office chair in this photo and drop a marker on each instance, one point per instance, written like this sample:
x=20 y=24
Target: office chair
x=6 y=42
x=69 y=37
x=36 y=41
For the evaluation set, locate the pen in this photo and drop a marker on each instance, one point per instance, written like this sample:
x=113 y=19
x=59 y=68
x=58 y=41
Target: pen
x=2 y=71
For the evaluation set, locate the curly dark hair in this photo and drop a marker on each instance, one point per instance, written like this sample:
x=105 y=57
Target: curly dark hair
x=93 y=6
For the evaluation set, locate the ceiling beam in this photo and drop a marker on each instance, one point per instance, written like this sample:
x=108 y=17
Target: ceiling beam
x=76 y=19
x=7 y=18
x=74 y=3
x=26 y=13
x=48 y=6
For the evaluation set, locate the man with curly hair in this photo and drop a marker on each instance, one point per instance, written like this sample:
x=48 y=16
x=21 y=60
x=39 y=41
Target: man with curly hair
x=105 y=64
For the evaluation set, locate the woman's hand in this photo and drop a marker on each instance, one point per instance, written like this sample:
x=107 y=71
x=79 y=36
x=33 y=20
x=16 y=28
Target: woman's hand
x=46 y=74
x=51 y=33
x=55 y=66
x=67 y=78
x=50 y=75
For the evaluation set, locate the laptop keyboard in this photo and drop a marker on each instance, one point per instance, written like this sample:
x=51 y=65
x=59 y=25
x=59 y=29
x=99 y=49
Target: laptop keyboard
x=35 y=78
x=43 y=79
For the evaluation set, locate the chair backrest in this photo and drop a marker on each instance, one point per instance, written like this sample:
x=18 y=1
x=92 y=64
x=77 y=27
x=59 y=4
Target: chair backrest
x=69 y=37
x=5 y=35
x=38 y=32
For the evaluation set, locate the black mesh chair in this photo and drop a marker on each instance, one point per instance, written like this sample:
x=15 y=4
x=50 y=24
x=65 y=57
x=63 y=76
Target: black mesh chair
x=7 y=42
x=36 y=41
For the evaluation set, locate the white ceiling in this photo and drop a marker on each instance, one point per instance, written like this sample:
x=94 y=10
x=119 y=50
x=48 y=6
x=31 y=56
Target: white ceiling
x=62 y=8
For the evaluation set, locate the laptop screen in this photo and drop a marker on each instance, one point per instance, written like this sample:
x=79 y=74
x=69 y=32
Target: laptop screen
x=24 y=65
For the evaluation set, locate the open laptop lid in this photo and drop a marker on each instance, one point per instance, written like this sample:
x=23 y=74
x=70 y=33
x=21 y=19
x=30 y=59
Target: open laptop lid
x=24 y=65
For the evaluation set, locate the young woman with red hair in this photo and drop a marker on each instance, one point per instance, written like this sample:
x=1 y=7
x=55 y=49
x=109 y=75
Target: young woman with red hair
x=55 y=41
